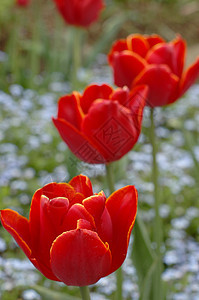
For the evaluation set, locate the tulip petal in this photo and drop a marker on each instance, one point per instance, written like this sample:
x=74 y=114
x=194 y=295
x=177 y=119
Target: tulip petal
x=105 y=228
x=78 y=143
x=189 y=77
x=18 y=227
x=52 y=215
x=82 y=184
x=126 y=66
x=69 y=109
x=154 y=39
x=171 y=54
x=80 y=258
x=162 y=84
x=122 y=207
x=88 y=11
x=121 y=95
x=95 y=205
x=51 y=190
x=75 y=213
x=179 y=47
x=138 y=44
x=118 y=46
x=94 y=92
x=79 y=13
x=116 y=134
x=137 y=101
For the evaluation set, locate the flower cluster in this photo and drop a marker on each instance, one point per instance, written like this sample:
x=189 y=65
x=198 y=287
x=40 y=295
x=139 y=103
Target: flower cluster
x=73 y=235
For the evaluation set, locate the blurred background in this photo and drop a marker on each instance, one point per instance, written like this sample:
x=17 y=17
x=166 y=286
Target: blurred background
x=34 y=40
x=36 y=68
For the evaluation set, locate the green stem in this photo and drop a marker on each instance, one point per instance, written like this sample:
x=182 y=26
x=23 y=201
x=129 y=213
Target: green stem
x=76 y=55
x=157 y=231
x=110 y=179
x=84 y=290
x=119 y=275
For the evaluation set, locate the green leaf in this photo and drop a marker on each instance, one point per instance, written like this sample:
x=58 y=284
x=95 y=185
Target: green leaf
x=190 y=143
x=144 y=258
x=47 y=294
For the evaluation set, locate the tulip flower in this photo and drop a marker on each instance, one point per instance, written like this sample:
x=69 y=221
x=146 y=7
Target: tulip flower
x=80 y=12
x=102 y=124
x=23 y=2
x=72 y=235
x=149 y=59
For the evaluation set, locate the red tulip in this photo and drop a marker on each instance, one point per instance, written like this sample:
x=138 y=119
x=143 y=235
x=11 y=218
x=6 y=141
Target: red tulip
x=103 y=124
x=141 y=59
x=80 y=12
x=22 y=2
x=72 y=235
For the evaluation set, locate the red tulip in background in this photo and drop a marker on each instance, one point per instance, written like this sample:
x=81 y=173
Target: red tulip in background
x=102 y=124
x=80 y=12
x=22 y=2
x=142 y=59
x=72 y=235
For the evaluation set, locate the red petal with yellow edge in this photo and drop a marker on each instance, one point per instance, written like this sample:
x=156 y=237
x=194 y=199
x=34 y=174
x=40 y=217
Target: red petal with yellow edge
x=95 y=206
x=69 y=109
x=162 y=84
x=116 y=134
x=122 y=207
x=121 y=95
x=82 y=184
x=84 y=224
x=126 y=66
x=78 y=143
x=75 y=213
x=118 y=46
x=189 y=77
x=80 y=258
x=92 y=93
x=154 y=39
x=18 y=227
x=138 y=44
x=170 y=54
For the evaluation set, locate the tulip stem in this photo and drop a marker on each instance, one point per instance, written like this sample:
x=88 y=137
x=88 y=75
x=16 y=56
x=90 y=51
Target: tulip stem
x=76 y=56
x=110 y=177
x=84 y=290
x=157 y=230
x=111 y=186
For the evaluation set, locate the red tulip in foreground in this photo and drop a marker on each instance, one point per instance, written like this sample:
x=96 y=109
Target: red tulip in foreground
x=142 y=59
x=102 y=124
x=72 y=235
x=80 y=12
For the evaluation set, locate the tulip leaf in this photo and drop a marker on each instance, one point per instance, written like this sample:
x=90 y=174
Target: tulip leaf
x=144 y=258
x=47 y=294
x=190 y=144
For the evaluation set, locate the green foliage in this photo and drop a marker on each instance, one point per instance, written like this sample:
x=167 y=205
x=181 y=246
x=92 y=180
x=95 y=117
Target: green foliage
x=6 y=10
x=52 y=295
